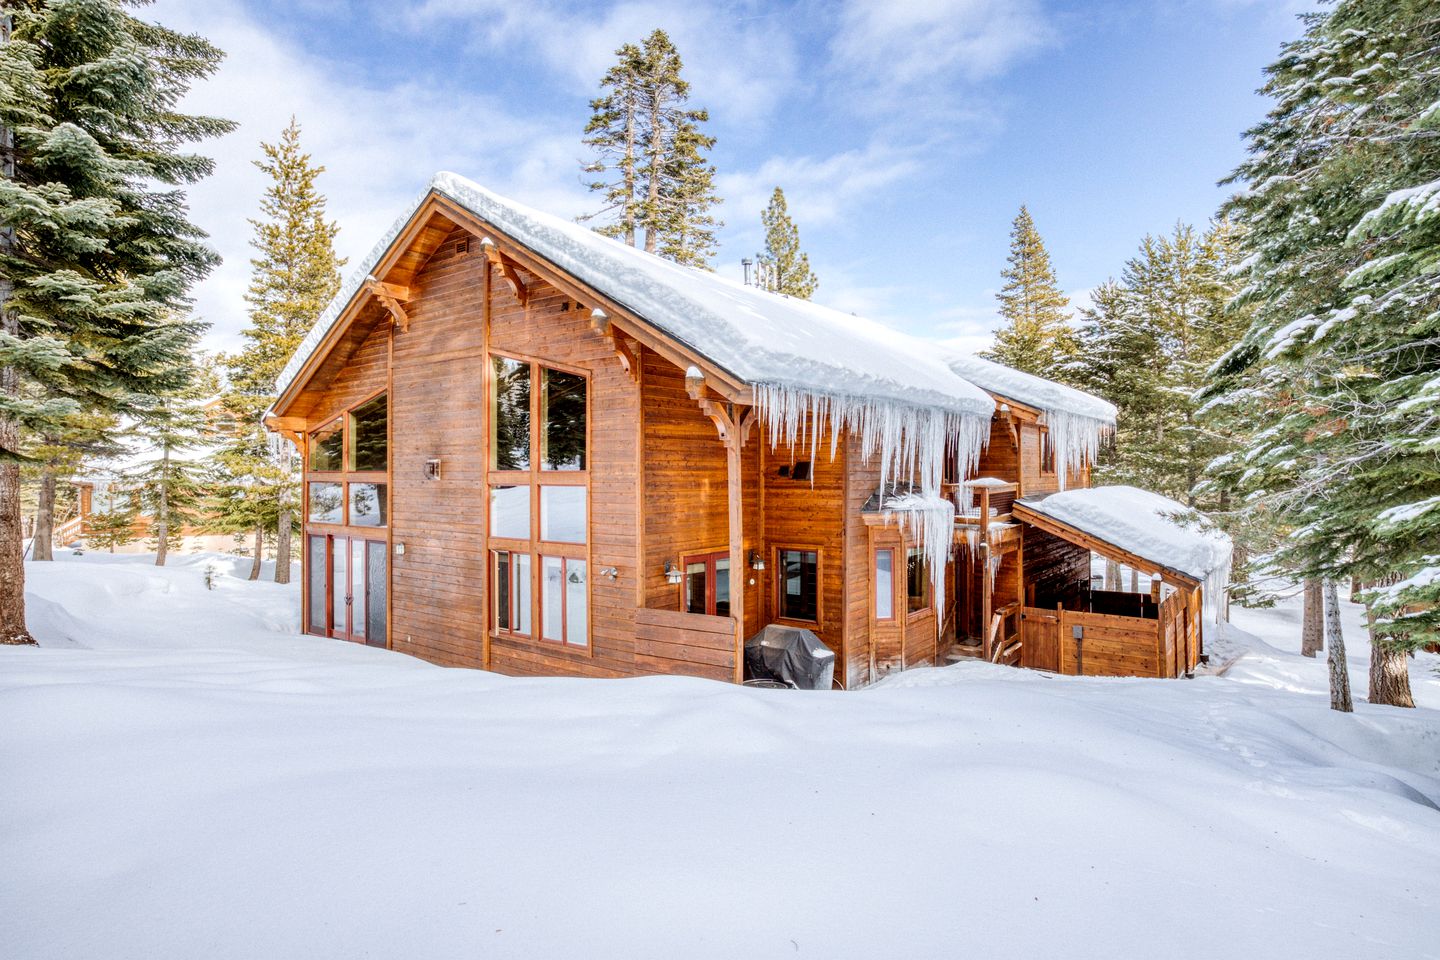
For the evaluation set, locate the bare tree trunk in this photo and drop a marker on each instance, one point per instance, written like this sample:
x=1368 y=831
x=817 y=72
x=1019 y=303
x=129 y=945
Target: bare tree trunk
x=42 y=541
x=1335 y=656
x=1112 y=575
x=162 y=521
x=282 y=547
x=259 y=553
x=12 y=543
x=1389 y=670
x=1312 y=623
x=1134 y=581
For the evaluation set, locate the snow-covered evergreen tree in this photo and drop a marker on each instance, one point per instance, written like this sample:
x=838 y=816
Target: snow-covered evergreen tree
x=783 y=260
x=293 y=277
x=96 y=251
x=651 y=149
x=1036 y=335
x=1343 y=228
x=1147 y=345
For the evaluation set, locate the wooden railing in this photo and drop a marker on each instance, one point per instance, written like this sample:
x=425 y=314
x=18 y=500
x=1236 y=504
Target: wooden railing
x=68 y=532
x=993 y=507
x=692 y=644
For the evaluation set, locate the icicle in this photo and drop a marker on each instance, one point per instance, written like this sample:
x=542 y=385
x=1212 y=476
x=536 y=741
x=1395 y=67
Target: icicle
x=1076 y=440
x=992 y=567
x=930 y=522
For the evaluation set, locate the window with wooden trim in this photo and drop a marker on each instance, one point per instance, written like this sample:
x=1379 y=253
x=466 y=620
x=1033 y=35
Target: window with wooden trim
x=539 y=497
x=370 y=436
x=798 y=572
x=1047 y=452
x=885 y=583
x=917 y=581
x=326 y=502
x=327 y=448
x=706 y=587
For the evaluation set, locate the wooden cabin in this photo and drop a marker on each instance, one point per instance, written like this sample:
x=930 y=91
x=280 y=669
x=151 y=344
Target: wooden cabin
x=535 y=450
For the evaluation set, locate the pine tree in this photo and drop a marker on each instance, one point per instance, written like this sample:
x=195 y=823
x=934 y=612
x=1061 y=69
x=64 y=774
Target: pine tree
x=783 y=259
x=56 y=454
x=1036 y=337
x=112 y=524
x=96 y=253
x=653 y=148
x=172 y=482
x=1147 y=345
x=1343 y=240
x=292 y=279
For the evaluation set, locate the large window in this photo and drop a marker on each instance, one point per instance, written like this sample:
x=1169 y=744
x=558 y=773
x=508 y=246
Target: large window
x=539 y=492
x=917 y=581
x=369 y=436
x=799 y=573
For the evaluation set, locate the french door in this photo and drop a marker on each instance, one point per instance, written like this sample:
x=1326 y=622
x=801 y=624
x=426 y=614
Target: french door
x=707 y=584
x=348 y=588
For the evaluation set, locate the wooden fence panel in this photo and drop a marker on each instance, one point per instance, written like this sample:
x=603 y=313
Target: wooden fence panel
x=1040 y=638
x=690 y=644
x=1109 y=646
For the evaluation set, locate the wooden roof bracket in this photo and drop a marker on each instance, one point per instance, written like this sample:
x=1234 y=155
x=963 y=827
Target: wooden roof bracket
x=394 y=298
x=507 y=269
x=626 y=350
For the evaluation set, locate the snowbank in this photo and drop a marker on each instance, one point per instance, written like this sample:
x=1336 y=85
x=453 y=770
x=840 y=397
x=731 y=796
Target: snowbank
x=202 y=783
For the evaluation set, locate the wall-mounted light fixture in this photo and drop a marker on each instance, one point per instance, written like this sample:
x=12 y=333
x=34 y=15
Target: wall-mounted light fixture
x=672 y=572
x=757 y=562
x=432 y=469
x=399 y=549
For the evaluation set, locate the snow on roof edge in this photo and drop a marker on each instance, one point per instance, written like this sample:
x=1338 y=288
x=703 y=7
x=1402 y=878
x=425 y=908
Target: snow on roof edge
x=832 y=353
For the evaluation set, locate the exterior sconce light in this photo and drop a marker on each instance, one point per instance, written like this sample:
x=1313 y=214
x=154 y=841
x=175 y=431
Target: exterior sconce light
x=399 y=549
x=672 y=572
x=757 y=562
x=432 y=469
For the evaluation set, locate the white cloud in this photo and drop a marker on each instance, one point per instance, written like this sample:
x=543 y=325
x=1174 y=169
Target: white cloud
x=739 y=68
x=896 y=46
x=379 y=145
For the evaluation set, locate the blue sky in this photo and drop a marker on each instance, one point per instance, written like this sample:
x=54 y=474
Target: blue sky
x=905 y=134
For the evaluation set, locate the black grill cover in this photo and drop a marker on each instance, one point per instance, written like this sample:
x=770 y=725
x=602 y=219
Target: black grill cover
x=792 y=655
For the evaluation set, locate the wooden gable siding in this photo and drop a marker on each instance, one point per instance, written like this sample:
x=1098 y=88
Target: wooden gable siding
x=545 y=330
x=685 y=488
x=437 y=594
x=1000 y=459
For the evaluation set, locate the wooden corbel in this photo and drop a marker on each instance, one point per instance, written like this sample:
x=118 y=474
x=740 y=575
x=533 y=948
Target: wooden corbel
x=393 y=297
x=624 y=349
x=733 y=428
x=506 y=268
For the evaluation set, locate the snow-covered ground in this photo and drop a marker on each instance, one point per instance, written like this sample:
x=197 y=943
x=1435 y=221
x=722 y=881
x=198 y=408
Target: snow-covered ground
x=183 y=777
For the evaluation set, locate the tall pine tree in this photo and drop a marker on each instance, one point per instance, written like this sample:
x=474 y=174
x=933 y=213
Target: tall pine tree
x=1339 y=211
x=1036 y=336
x=96 y=252
x=651 y=149
x=783 y=260
x=293 y=277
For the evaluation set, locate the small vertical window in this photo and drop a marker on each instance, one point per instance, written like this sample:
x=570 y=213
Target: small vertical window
x=369 y=436
x=502 y=590
x=885 y=584
x=327 y=448
x=563 y=414
x=318 y=598
x=1047 y=452
x=917 y=584
x=510 y=414
x=577 y=612
x=512 y=592
x=799 y=586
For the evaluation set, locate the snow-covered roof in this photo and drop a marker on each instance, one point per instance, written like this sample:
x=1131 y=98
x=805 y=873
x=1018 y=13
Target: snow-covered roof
x=759 y=337
x=1046 y=395
x=1153 y=527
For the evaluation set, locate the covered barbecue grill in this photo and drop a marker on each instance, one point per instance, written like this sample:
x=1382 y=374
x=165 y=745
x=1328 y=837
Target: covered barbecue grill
x=790 y=655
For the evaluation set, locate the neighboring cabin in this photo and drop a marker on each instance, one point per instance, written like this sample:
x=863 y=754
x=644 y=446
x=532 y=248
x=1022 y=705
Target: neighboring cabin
x=536 y=450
